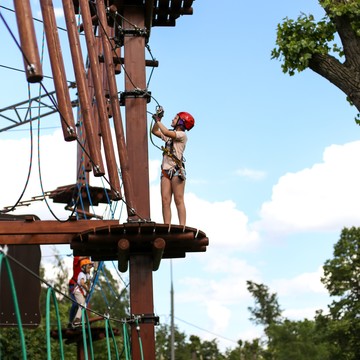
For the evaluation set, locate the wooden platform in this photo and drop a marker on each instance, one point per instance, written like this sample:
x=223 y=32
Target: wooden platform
x=119 y=242
x=106 y=240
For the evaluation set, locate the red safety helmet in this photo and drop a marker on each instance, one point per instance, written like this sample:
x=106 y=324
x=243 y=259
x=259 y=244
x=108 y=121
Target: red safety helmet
x=187 y=119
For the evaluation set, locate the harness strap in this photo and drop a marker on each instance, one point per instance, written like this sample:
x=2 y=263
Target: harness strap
x=167 y=152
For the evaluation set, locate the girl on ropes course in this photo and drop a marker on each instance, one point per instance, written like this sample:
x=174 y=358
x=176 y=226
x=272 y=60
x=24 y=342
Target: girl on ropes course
x=82 y=288
x=173 y=173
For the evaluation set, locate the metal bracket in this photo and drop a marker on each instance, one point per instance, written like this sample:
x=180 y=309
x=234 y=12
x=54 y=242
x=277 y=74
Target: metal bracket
x=134 y=94
x=143 y=319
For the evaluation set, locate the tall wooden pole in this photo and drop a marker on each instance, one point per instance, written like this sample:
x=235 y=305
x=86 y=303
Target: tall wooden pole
x=58 y=70
x=28 y=42
x=141 y=282
x=115 y=109
x=92 y=47
x=84 y=98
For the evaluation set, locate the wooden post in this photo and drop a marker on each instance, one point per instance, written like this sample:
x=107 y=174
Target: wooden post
x=115 y=109
x=141 y=302
x=158 y=250
x=58 y=70
x=141 y=266
x=85 y=101
x=28 y=42
x=136 y=116
x=123 y=254
x=100 y=99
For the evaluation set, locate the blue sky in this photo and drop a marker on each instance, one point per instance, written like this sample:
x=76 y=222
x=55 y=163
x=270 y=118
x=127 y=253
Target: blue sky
x=272 y=162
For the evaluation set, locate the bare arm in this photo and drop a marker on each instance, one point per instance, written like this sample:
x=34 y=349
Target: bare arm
x=84 y=285
x=159 y=128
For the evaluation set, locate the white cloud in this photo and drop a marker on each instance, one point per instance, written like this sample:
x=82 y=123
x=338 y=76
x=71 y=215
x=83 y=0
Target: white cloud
x=225 y=225
x=301 y=313
x=59 y=12
x=325 y=197
x=57 y=164
x=305 y=283
x=251 y=174
x=219 y=314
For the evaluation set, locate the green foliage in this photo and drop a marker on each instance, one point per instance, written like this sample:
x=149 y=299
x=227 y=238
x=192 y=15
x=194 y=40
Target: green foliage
x=297 y=41
x=306 y=43
x=267 y=310
x=348 y=8
x=246 y=351
x=163 y=343
x=342 y=280
x=341 y=274
x=296 y=340
x=195 y=348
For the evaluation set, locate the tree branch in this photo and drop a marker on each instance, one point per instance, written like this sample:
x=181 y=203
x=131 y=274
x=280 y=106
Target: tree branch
x=342 y=76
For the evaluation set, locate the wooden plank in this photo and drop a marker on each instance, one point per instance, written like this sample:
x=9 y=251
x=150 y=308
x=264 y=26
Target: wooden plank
x=36 y=239
x=51 y=227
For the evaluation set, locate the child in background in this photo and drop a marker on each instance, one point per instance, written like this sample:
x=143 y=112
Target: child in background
x=82 y=288
x=72 y=284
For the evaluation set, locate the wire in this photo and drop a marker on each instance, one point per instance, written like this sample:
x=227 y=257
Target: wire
x=13 y=207
x=202 y=329
x=35 y=19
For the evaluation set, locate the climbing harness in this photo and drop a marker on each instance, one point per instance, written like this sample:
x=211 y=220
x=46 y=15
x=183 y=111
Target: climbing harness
x=179 y=168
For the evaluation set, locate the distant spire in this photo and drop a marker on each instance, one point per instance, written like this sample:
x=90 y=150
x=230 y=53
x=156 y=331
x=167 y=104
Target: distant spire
x=172 y=314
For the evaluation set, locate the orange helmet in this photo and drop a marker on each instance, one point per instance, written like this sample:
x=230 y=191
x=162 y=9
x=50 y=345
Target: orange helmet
x=187 y=120
x=84 y=262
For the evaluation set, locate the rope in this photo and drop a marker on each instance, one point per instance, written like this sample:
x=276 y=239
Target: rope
x=12 y=208
x=126 y=342
x=107 y=328
x=16 y=304
x=50 y=292
x=139 y=338
x=96 y=278
x=83 y=331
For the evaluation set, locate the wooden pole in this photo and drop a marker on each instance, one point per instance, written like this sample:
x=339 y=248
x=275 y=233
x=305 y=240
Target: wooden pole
x=58 y=70
x=141 y=266
x=115 y=107
x=28 y=42
x=84 y=98
x=135 y=107
x=100 y=99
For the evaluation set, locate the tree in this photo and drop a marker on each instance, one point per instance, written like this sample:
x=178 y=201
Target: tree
x=246 y=351
x=296 y=340
x=342 y=280
x=267 y=310
x=194 y=349
x=306 y=43
x=163 y=344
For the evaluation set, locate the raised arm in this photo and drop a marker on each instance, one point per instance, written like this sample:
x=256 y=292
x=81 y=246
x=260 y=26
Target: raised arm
x=159 y=128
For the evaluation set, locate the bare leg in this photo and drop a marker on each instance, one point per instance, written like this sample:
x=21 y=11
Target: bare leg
x=178 y=188
x=166 y=195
